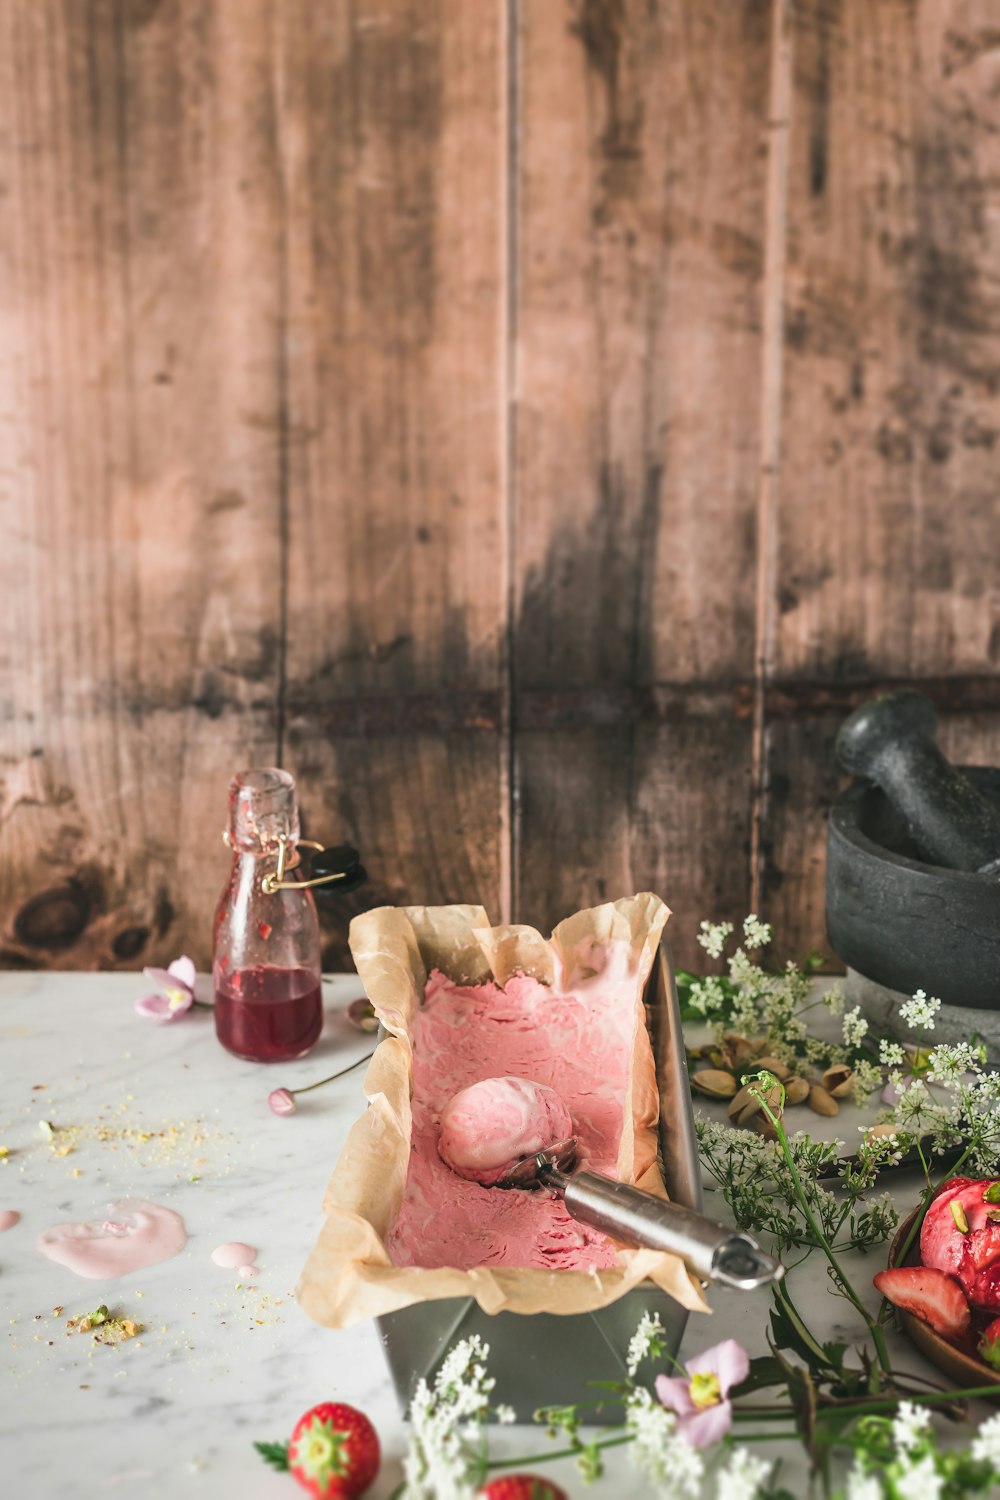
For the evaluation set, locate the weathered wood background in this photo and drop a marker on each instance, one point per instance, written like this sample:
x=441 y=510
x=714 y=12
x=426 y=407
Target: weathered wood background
x=534 y=424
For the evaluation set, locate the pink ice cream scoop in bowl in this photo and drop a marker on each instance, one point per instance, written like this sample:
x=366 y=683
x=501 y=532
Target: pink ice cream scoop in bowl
x=514 y=1133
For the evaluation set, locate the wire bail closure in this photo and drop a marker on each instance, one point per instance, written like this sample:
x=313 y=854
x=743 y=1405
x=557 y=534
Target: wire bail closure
x=289 y=860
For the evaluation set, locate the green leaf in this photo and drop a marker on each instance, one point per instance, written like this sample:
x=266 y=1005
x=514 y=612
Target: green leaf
x=765 y=1371
x=275 y=1454
x=790 y=1333
x=835 y=1356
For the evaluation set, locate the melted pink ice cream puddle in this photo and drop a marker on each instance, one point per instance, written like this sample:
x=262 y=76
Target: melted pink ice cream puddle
x=574 y=1037
x=8 y=1218
x=136 y=1234
x=235 y=1257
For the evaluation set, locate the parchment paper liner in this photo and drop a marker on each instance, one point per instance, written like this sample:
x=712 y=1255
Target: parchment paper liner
x=349 y=1275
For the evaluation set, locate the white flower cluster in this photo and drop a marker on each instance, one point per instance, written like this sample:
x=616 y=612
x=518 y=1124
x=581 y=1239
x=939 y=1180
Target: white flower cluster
x=890 y=1054
x=756 y=934
x=986 y=1445
x=712 y=937
x=672 y=1466
x=855 y=1027
x=648 y=1339
x=915 y=1467
x=707 y=995
x=947 y=1064
x=910 y=1427
x=834 y=1001
x=919 y=1012
x=742 y=1477
x=438 y=1463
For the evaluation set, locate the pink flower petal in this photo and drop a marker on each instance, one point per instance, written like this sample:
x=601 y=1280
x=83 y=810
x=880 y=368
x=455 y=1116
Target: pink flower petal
x=674 y=1393
x=281 y=1102
x=706 y=1426
x=155 y=1008
x=729 y=1360
x=183 y=971
x=162 y=978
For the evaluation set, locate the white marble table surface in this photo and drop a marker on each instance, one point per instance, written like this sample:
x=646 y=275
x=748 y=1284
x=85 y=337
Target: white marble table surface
x=175 y=1411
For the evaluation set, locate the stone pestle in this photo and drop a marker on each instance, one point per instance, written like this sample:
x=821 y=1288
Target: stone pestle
x=891 y=740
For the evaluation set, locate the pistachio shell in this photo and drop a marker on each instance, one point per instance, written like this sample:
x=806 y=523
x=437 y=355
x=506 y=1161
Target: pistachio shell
x=773 y=1065
x=821 y=1102
x=715 y=1083
x=749 y=1107
x=738 y=1048
x=838 y=1080
x=796 y=1090
x=764 y=1126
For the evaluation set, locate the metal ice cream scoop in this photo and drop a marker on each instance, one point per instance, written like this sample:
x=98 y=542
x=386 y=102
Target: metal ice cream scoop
x=641 y=1220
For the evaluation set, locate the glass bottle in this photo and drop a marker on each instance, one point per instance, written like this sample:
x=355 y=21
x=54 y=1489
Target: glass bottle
x=268 y=1001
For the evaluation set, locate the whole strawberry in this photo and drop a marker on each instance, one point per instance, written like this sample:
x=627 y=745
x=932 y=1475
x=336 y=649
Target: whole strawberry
x=961 y=1236
x=521 y=1487
x=333 y=1452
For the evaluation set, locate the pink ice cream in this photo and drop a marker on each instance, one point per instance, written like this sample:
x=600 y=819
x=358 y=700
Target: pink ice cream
x=970 y=1253
x=487 y=1126
x=575 y=1037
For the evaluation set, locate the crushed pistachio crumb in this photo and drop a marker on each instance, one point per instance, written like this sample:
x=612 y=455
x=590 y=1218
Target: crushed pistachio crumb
x=958 y=1214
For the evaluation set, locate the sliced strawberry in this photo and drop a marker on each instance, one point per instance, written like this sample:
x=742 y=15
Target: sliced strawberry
x=521 y=1487
x=930 y=1294
x=989 y=1344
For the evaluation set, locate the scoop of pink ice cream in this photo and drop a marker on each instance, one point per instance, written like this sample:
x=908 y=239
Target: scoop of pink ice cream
x=490 y=1124
x=961 y=1235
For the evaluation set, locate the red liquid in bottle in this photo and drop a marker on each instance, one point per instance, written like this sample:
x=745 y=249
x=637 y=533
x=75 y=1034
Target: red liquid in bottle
x=268 y=1014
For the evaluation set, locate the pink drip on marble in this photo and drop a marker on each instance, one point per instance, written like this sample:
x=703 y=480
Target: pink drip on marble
x=236 y=1256
x=8 y=1218
x=136 y=1235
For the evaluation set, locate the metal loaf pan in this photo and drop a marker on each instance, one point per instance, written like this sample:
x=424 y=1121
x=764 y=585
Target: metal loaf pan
x=541 y=1359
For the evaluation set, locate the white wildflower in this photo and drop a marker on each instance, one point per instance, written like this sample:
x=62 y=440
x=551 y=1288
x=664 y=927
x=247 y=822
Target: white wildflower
x=855 y=1027
x=743 y=971
x=890 y=1054
x=986 y=1444
x=438 y=1465
x=910 y=1426
x=867 y=1077
x=672 y=1466
x=756 y=934
x=707 y=995
x=647 y=1339
x=713 y=935
x=862 y=1486
x=505 y=1415
x=922 y=1479
x=834 y=1001
x=920 y=1011
x=947 y=1064
x=742 y=1477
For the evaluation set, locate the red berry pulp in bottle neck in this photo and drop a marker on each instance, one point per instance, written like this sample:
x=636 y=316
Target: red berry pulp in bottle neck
x=268 y=1014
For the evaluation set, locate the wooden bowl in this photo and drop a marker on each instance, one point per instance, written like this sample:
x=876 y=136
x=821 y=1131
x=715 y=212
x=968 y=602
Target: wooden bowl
x=959 y=1362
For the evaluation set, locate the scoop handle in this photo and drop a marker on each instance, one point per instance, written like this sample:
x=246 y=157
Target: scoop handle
x=641 y=1220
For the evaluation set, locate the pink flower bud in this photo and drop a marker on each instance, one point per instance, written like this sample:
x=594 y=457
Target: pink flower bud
x=281 y=1102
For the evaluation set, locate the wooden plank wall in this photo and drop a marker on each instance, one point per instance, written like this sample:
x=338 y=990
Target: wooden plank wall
x=533 y=422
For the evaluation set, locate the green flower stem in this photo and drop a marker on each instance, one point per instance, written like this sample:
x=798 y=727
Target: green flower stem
x=544 y=1458
x=309 y=1086
x=842 y=1281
